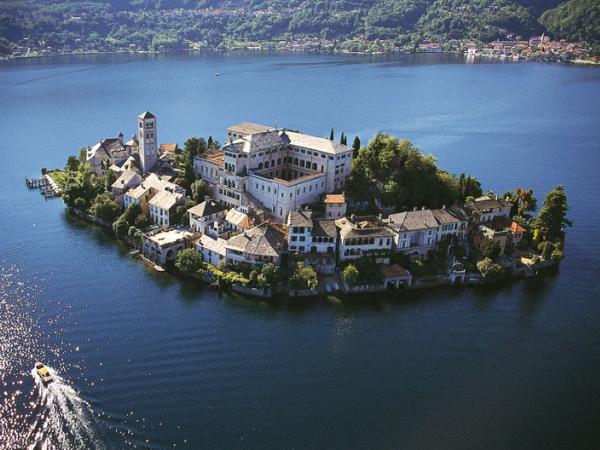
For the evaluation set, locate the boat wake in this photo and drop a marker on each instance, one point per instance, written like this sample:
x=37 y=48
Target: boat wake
x=64 y=419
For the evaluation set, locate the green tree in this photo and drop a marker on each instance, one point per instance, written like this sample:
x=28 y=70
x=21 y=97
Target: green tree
x=131 y=213
x=194 y=147
x=552 y=220
x=120 y=227
x=304 y=277
x=189 y=260
x=489 y=269
x=331 y=135
x=355 y=146
x=350 y=274
x=109 y=178
x=270 y=273
x=106 y=208
x=72 y=164
x=79 y=203
x=199 y=190
x=490 y=249
x=525 y=201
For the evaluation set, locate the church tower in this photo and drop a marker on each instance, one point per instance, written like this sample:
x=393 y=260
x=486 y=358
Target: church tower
x=148 y=148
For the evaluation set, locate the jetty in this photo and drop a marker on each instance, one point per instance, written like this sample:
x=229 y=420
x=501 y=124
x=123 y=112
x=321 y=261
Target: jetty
x=45 y=184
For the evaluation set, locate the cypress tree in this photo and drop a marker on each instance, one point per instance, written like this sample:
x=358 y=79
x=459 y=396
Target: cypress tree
x=356 y=146
x=331 y=135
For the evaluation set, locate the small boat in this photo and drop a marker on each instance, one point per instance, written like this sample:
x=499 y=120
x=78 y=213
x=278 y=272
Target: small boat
x=43 y=372
x=217 y=74
x=158 y=268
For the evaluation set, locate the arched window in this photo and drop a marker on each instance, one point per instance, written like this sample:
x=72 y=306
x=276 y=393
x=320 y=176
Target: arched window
x=260 y=166
x=314 y=166
x=267 y=165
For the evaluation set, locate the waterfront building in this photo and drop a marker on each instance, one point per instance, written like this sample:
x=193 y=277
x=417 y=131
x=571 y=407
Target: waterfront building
x=365 y=236
x=415 y=232
x=162 y=207
x=486 y=209
x=451 y=222
x=258 y=245
x=276 y=170
x=309 y=235
x=162 y=247
x=238 y=219
x=204 y=215
x=212 y=249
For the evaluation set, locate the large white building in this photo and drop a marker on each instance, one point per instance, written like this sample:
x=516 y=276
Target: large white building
x=274 y=169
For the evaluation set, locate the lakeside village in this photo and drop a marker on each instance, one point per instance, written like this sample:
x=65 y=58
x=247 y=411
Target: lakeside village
x=277 y=211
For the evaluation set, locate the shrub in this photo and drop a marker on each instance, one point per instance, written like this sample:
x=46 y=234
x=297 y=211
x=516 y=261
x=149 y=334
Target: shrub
x=489 y=269
x=105 y=207
x=304 y=277
x=189 y=260
x=351 y=275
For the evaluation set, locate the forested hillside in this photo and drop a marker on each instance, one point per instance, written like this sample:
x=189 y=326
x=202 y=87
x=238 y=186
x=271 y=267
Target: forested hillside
x=171 y=24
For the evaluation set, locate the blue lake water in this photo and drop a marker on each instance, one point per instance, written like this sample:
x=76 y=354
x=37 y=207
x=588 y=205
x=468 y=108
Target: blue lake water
x=149 y=361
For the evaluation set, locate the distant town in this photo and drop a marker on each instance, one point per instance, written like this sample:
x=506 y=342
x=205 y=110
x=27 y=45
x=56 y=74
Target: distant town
x=514 y=48
x=277 y=211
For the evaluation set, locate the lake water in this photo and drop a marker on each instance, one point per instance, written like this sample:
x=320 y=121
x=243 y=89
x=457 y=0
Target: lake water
x=149 y=361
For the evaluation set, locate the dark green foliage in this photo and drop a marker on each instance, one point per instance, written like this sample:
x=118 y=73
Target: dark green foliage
x=552 y=219
x=355 y=146
x=575 y=20
x=468 y=186
x=264 y=277
x=405 y=177
x=131 y=213
x=351 y=275
x=106 y=208
x=199 y=189
x=189 y=260
x=194 y=147
x=331 y=135
x=120 y=227
x=490 y=249
x=72 y=163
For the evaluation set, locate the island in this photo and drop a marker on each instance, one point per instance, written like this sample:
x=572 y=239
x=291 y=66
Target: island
x=275 y=211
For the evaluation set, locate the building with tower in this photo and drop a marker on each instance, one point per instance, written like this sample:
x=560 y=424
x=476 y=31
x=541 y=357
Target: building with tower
x=147 y=141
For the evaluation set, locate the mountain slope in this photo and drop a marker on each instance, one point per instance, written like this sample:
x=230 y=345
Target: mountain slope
x=576 y=20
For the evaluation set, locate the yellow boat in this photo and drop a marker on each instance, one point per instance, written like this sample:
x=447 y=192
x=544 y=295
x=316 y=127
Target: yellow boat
x=43 y=372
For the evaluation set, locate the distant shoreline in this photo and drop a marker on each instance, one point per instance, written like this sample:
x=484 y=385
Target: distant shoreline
x=265 y=50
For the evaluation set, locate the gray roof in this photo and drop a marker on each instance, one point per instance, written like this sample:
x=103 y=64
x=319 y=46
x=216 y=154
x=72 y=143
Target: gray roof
x=365 y=226
x=147 y=115
x=207 y=208
x=315 y=143
x=324 y=228
x=302 y=218
x=263 y=240
x=486 y=203
x=413 y=220
x=248 y=128
x=445 y=216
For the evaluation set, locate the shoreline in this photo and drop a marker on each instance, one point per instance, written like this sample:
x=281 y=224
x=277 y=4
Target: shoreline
x=276 y=292
x=267 y=50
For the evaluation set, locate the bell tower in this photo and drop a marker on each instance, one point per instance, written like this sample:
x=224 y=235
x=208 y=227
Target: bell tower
x=148 y=148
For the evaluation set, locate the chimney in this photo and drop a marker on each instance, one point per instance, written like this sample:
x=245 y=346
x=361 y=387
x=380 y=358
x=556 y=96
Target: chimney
x=352 y=216
x=422 y=208
x=379 y=216
x=415 y=208
x=207 y=198
x=444 y=207
x=121 y=138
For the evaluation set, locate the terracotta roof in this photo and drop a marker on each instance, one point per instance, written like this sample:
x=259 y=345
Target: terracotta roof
x=168 y=148
x=516 y=228
x=335 y=198
x=239 y=218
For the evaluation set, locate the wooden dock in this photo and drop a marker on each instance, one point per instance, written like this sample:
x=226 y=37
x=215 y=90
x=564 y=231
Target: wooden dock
x=36 y=183
x=45 y=184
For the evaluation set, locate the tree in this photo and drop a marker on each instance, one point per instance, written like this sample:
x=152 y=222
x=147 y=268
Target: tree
x=120 y=227
x=131 y=213
x=355 y=146
x=72 y=164
x=189 y=260
x=194 y=147
x=491 y=249
x=350 y=274
x=304 y=277
x=270 y=272
x=552 y=220
x=468 y=186
x=331 y=135
x=79 y=203
x=106 y=208
x=489 y=269
x=199 y=190
x=547 y=248
x=525 y=201
x=109 y=178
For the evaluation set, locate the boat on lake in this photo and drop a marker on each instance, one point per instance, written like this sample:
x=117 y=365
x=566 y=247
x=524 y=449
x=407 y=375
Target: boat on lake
x=43 y=373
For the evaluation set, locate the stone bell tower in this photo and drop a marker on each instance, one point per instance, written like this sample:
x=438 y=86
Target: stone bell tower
x=148 y=148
